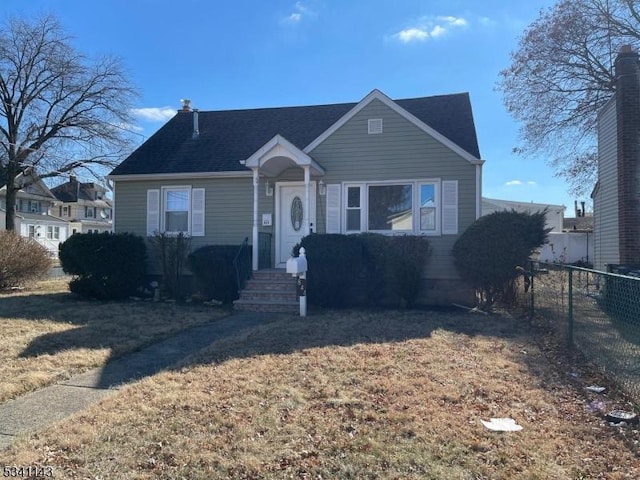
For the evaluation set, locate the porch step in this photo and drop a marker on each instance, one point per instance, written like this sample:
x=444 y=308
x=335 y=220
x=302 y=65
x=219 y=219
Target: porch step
x=270 y=290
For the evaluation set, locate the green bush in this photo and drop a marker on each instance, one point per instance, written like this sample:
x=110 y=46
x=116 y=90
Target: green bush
x=335 y=263
x=488 y=252
x=376 y=271
x=214 y=272
x=406 y=263
x=348 y=270
x=107 y=266
x=22 y=260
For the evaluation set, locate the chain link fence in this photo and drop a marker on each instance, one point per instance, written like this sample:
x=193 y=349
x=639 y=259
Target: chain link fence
x=596 y=312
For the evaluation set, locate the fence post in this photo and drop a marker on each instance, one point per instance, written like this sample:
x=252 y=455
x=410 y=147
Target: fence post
x=570 y=309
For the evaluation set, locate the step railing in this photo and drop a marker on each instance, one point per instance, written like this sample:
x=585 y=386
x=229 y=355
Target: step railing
x=242 y=264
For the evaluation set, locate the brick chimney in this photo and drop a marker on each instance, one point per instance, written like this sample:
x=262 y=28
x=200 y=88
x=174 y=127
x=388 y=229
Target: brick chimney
x=627 y=85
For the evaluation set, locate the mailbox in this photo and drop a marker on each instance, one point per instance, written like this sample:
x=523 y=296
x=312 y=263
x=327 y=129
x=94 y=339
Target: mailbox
x=297 y=265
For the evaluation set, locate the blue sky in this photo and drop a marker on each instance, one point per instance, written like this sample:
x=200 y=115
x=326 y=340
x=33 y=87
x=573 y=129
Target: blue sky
x=257 y=53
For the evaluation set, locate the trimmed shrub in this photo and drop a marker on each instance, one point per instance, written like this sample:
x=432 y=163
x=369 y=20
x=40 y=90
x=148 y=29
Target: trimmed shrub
x=107 y=266
x=406 y=262
x=215 y=275
x=376 y=270
x=348 y=270
x=336 y=262
x=22 y=260
x=488 y=252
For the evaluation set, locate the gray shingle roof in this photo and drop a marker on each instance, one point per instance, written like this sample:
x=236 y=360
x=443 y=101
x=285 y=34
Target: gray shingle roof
x=228 y=136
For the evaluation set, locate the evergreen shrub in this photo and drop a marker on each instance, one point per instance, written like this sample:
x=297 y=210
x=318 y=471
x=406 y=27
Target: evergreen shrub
x=106 y=266
x=488 y=252
x=215 y=275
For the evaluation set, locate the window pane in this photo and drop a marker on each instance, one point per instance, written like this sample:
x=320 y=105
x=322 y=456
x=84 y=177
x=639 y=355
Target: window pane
x=353 y=197
x=353 y=220
x=390 y=207
x=427 y=207
x=176 y=221
x=177 y=200
x=427 y=218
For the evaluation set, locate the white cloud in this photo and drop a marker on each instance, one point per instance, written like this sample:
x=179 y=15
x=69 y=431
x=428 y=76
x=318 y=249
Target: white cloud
x=518 y=183
x=301 y=11
x=154 y=114
x=412 y=35
x=429 y=27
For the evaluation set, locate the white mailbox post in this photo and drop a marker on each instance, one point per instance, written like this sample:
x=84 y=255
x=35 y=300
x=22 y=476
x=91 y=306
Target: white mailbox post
x=297 y=266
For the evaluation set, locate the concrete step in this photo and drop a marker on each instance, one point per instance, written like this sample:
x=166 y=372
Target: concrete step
x=270 y=290
x=242 y=305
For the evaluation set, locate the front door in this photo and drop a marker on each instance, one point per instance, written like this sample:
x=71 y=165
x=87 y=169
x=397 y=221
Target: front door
x=290 y=229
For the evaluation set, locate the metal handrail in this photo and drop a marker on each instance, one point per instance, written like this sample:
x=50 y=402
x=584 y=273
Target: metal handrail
x=243 y=272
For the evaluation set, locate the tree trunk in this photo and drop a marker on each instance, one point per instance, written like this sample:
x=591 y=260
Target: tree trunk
x=12 y=191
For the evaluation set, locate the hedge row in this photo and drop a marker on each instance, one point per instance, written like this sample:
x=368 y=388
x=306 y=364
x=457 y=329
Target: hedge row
x=351 y=270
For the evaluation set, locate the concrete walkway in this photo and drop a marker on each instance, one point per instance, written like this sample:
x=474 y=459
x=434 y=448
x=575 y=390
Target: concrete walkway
x=38 y=409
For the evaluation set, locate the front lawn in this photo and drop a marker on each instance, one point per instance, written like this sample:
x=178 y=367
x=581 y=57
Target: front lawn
x=49 y=334
x=390 y=395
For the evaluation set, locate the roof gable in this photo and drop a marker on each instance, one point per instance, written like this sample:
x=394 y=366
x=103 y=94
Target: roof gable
x=456 y=118
x=228 y=137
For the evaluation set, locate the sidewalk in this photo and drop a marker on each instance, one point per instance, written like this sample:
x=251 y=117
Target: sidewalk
x=39 y=409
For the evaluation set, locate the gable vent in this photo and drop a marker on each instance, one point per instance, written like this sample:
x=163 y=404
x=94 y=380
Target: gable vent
x=375 y=126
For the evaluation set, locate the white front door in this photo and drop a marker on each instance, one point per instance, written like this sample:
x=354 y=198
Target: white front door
x=290 y=228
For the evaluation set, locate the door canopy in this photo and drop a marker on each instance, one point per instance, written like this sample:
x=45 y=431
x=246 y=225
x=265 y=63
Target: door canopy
x=279 y=154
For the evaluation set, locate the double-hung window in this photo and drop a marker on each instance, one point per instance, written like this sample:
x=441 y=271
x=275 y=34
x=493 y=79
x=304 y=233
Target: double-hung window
x=53 y=233
x=175 y=209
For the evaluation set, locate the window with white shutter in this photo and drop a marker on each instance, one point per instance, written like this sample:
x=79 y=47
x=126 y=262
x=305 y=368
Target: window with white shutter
x=333 y=208
x=450 y=207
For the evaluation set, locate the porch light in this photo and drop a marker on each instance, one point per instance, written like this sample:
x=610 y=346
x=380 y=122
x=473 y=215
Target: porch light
x=322 y=188
x=268 y=189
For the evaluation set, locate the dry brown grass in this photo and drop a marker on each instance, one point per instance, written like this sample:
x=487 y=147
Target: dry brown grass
x=49 y=334
x=351 y=395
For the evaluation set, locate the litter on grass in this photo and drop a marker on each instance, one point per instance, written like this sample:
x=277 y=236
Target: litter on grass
x=596 y=388
x=502 y=425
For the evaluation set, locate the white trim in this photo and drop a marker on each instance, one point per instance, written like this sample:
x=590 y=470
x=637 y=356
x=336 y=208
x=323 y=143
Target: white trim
x=163 y=207
x=178 y=176
x=378 y=95
x=415 y=206
x=279 y=146
x=478 y=191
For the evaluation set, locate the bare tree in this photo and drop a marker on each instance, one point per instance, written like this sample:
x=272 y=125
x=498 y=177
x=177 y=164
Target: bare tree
x=561 y=75
x=59 y=111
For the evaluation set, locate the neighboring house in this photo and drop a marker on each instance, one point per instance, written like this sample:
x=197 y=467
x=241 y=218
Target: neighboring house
x=274 y=175
x=554 y=215
x=33 y=214
x=85 y=206
x=616 y=196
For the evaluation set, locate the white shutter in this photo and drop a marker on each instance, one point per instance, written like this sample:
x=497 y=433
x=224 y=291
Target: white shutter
x=197 y=212
x=450 y=207
x=153 y=211
x=333 y=208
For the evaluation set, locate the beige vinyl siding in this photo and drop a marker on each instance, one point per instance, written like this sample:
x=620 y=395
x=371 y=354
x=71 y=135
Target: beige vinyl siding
x=606 y=247
x=401 y=152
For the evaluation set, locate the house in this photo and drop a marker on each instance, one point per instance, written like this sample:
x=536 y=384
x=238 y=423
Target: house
x=616 y=196
x=84 y=205
x=34 y=213
x=554 y=215
x=274 y=175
